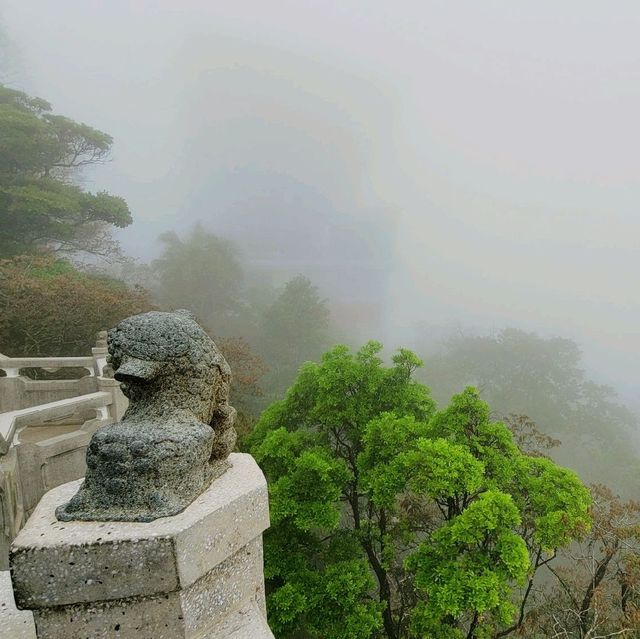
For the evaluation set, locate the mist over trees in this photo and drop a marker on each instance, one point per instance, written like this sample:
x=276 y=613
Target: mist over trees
x=49 y=303
x=293 y=329
x=41 y=207
x=283 y=326
x=203 y=273
x=53 y=230
x=10 y=67
x=521 y=373
x=486 y=493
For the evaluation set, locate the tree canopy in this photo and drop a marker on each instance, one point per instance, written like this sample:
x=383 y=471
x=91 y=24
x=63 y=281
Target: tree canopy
x=49 y=308
x=293 y=329
x=40 y=206
x=391 y=518
x=202 y=272
x=522 y=373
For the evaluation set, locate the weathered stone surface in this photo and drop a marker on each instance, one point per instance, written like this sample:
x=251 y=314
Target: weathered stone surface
x=226 y=588
x=234 y=583
x=148 y=618
x=14 y=623
x=247 y=623
x=196 y=575
x=176 y=433
x=61 y=563
x=45 y=428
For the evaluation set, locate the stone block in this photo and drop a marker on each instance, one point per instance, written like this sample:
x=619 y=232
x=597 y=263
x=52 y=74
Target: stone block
x=14 y=623
x=247 y=623
x=175 y=577
x=238 y=581
x=91 y=561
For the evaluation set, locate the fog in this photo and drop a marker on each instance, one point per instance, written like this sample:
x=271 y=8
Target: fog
x=443 y=165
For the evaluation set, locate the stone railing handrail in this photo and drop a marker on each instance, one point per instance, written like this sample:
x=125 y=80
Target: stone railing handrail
x=12 y=420
x=12 y=365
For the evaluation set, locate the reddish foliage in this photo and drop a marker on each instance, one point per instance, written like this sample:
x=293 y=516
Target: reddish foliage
x=49 y=308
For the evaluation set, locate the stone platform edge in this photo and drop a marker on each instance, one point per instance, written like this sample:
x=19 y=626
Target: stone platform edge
x=60 y=563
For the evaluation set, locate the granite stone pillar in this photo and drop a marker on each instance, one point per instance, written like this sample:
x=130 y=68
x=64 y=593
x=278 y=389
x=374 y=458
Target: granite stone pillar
x=194 y=575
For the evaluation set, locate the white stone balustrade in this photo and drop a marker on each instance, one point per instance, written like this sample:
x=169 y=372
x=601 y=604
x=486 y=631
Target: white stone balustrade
x=11 y=421
x=45 y=427
x=12 y=365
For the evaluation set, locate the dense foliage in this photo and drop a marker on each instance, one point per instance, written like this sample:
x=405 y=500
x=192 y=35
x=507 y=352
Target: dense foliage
x=523 y=373
x=203 y=273
x=390 y=518
x=40 y=207
x=49 y=308
x=293 y=329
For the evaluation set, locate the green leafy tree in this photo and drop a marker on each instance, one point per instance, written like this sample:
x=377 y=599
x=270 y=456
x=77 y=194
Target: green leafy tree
x=292 y=330
x=202 y=273
x=593 y=588
x=420 y=523
x=522 y=373
x=40 y=207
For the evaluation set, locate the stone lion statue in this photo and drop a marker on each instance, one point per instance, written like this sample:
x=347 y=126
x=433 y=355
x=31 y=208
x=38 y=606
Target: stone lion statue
x=176 y=435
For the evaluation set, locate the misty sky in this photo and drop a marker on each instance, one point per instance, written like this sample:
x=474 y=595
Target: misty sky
x=482 y=159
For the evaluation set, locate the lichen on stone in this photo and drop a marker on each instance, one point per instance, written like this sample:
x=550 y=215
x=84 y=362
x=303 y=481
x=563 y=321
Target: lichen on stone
x=177 y=433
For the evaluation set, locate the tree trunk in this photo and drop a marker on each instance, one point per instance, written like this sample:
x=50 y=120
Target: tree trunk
x=599 y=575
x=384 y=588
